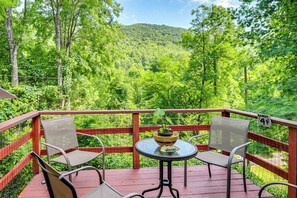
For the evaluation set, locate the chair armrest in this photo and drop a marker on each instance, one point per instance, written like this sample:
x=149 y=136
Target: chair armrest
x=59 y=149
x=275 y=183
x=234 y=151
x=131 y=195
x=81 y=169
x=195 y=136
x=93 y=136
x=54 y=147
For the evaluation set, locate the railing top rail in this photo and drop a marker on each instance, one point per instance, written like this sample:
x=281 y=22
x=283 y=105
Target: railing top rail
x=17 y=120
x=130 y=111
x=14 y=121
x=289 y=123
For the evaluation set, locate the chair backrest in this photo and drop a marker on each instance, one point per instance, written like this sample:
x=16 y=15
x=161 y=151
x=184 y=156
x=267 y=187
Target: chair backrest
x=56 y=187
x=60 y=132
x=227 y=133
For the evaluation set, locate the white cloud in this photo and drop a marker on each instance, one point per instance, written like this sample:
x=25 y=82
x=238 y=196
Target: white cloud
x=224 y=3
x=127 y=19
x=227 y=3
x=201 y=1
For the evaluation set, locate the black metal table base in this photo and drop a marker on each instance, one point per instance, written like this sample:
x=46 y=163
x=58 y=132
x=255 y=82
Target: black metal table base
x=164 y=181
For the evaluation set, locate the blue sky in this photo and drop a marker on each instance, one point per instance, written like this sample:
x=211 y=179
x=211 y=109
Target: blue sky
x=175 y=13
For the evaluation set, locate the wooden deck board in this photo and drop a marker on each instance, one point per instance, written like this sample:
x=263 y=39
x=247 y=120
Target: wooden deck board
x=137 y=180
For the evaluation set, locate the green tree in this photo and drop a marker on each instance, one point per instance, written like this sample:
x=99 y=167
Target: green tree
x=211 y=39
x=77 y=22
x=271 y=27
x=246 y=60
x=164 y=88
x=14 y=32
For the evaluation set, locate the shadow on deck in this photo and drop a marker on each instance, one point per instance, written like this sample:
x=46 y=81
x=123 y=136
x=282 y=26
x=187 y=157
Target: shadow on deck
x=137 y=180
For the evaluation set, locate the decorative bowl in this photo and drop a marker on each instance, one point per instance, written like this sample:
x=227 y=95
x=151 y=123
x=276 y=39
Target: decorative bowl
x=165 y=140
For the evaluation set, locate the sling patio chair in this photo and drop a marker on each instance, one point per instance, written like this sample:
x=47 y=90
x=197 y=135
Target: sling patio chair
x=60 y=137
x=229 y=135
x=60 y=187
x=275 y=183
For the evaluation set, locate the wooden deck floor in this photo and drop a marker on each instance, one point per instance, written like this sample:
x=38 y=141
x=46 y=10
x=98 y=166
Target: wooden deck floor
x=137 y=180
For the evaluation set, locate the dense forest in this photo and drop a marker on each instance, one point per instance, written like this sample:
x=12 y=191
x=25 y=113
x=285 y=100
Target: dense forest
x=76 y=56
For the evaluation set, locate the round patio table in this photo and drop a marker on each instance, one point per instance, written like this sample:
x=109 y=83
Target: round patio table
x=149 y=148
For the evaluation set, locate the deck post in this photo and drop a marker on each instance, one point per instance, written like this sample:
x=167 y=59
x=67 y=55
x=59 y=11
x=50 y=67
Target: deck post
x=292 y=172
x=225 y=114
x=135 y=122
x=36 y=142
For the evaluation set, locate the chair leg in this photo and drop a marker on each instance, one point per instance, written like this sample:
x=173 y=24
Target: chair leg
x=69 y=169
x=228 y=181
x=209 y=172
x=77 y=171
x=244 y=178
x=103 y=166
x=70 y=178
x=185 y=173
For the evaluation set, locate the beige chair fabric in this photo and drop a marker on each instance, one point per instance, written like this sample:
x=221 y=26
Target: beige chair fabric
x=59 y=187
x=60 y=136
x=229 y=135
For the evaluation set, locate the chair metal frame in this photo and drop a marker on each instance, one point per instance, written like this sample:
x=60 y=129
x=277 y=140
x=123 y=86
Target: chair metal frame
x=274 y=183
x=54 y=149
x=238 y=149
x=62 y=178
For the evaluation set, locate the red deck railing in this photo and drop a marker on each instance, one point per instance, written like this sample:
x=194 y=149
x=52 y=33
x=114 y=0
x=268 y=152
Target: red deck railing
x=36 y=133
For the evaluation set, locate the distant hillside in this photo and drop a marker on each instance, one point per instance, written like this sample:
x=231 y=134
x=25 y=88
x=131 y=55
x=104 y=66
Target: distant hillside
x=159 y=34
x=144 y=45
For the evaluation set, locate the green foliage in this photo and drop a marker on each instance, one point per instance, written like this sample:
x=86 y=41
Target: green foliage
x=209 y=79
x=16 y=186
x=159 y=34
x=245 y=64
x=271 y=24
x=261 y=176
x=144 y=66
x=271 y=27
x=6 y=4
x=160 y=115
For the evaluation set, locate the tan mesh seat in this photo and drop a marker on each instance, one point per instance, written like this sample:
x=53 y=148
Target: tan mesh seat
x=229 y=135
x=76 y=157
x=60 y=136
x=59 y=187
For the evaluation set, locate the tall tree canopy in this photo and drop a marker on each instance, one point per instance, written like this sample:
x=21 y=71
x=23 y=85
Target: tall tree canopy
x=271 y=27
x=82 y=22
x=212 y=41
x=14 y=24
x=74 y=55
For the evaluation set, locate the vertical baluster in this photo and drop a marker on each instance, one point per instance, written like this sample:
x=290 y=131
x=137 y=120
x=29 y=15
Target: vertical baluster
x=36 y=141
x=135 y=120
x=292 y=172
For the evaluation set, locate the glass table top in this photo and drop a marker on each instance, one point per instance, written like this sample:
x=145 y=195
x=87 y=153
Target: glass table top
x=149 y=148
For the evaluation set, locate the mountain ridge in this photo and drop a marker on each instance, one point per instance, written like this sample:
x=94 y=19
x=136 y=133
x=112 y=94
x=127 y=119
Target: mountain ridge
x=161 y=34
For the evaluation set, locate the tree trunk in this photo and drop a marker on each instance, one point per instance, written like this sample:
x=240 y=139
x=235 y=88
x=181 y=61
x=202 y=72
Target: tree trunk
x=13 y=48
x=245 y=87
x=58 y=35
x=67 y=37
x=215 y=70
x=56 y=9
x=204 y=73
